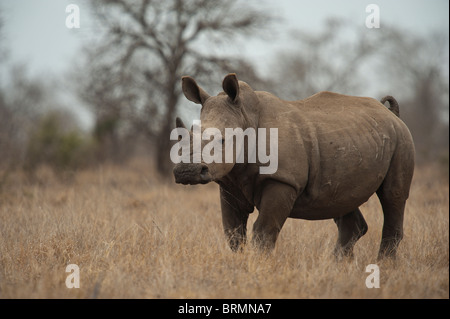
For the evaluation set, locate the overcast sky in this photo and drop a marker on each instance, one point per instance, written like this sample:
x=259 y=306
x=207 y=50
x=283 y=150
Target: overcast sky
x=35 y=31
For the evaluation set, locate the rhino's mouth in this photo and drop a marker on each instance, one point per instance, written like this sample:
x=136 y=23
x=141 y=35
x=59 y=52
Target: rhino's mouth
x=191 y=174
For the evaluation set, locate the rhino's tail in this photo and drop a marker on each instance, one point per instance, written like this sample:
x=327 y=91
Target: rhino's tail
x=393 y=104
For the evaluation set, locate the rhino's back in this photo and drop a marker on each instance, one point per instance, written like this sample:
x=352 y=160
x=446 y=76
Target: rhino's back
x=337 y=150
x=325 y=110
x=335 y=107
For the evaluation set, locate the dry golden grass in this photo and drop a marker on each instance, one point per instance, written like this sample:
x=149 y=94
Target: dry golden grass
x=134 y=237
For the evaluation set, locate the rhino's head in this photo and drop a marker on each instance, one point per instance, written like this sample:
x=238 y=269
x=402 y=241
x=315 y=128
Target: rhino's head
x=233 y=108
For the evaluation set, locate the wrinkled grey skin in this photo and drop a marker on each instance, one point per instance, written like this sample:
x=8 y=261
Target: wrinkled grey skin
x=334 y=152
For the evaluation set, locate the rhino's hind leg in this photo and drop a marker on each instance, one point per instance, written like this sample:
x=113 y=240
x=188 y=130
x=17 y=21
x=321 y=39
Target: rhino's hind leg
x=351 y=227
x=392 y=234
x=393 y=193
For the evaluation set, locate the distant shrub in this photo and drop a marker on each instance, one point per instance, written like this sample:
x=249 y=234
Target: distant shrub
x=51 y=143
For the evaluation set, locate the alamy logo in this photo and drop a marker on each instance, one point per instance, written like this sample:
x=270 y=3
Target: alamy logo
x=73 y=280
x=233 y=141
x=373 y=19
x=73 y=19
x=373 y=280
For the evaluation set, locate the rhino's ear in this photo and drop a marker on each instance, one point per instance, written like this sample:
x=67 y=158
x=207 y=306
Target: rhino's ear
x=230 y=86
x=179 y=123
x=192 y=91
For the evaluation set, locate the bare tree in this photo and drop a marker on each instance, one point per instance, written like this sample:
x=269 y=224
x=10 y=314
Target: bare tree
x=20 y=106
x=352 y=60
x=329 y=60
x=149 y=45
x=417 y=70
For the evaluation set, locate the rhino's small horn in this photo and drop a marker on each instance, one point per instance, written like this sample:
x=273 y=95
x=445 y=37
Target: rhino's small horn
x=179 y=123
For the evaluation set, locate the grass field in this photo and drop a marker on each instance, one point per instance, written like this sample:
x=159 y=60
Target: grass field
x=135 y=237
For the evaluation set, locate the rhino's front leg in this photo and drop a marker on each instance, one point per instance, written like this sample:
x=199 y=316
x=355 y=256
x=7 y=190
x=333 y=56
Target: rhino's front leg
x=277 y=200
x=234 y=218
